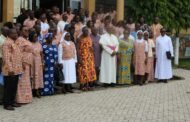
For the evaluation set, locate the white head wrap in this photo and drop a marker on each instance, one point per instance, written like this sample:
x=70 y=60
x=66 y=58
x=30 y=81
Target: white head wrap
x=146 y=32
x=63 y=36
x=139 y=31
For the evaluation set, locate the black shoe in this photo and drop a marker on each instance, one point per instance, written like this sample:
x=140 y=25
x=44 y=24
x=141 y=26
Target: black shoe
x=63 y=90
x=70 y=91
x=165 y=81
x=38 y=95
x=134 y=83
x=105 y=85
x=10 y=108
x=16 y=105
x=159 y=81
x=141 y=84
x=112 y=85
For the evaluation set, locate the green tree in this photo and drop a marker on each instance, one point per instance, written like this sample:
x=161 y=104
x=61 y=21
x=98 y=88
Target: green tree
x=173 y=14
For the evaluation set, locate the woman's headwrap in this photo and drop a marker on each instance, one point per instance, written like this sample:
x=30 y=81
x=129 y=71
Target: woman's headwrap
x=139 y=31
x=63 y=36
x=146 y=32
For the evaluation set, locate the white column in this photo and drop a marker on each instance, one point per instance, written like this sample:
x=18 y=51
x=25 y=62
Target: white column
x=38 y=3
x=17 y=7
x=26 y=4
x=30 y=4
x=177 y=52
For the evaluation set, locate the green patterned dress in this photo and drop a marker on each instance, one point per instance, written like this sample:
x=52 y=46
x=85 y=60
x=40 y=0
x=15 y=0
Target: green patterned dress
x=124 y=62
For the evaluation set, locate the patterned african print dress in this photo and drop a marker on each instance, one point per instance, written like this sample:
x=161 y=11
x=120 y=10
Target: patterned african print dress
x=37 y=68
x=50 y=58
x=24 y=90
x=86 y=67
x=124 y=62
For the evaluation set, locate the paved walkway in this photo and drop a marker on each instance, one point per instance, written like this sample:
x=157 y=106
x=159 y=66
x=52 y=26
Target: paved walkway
x=150 y=103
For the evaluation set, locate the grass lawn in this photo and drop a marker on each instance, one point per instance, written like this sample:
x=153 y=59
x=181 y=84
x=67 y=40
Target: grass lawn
x=184 y=63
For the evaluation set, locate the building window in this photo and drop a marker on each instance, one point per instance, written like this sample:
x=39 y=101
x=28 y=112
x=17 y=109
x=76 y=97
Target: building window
x=1 y=10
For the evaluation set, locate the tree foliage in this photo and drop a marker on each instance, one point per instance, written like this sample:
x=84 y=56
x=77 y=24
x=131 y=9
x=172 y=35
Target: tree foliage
x=173 y=14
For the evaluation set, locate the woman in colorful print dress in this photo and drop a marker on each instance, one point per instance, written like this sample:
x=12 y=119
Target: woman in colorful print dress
x=24 y=91
x=86 y=67
x=50 y=59
x=124 y=59
x=37 y=66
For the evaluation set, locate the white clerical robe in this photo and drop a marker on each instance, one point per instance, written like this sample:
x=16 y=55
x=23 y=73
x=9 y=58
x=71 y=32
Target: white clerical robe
x=69 y=69
x=108 y=63
x=163 y=65
x=61 y=26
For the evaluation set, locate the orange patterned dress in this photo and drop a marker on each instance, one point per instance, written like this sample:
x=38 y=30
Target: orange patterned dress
x=37 y=67
x=24 y=91
x=86 y=66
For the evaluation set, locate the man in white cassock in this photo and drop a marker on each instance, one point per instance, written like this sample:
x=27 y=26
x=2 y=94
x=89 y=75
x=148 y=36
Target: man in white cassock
x=163 y=70
x=68 y=58
x=110 y=44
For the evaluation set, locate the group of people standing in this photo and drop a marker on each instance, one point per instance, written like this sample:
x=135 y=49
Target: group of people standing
x=92 y=50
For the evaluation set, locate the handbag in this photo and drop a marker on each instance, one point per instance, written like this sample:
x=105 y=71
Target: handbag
x=58 y=73
x=168 y=54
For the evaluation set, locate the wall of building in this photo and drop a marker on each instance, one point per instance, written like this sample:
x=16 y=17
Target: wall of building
x=106 y=4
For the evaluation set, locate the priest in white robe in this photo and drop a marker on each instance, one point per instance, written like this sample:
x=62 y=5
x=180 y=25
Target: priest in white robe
x=68 y=58
x=110 y=44
x=163 y=70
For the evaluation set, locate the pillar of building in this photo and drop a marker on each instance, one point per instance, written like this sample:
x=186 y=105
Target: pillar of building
x=90 y=5
x=8 y=10
x=120 y=9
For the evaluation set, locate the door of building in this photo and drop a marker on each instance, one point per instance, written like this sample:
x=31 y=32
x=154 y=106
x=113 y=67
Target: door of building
x=48 y=4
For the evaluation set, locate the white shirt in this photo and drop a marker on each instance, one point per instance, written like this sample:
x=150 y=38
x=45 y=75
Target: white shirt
x=44 y=26
x=150 y=46
x=61 y=26
x=2 y=40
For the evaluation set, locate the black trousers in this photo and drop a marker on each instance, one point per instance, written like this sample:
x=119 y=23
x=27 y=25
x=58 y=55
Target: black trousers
x=10 y=90
x=1 y=94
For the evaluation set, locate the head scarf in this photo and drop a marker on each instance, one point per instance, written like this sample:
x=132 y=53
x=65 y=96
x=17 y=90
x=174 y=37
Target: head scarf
x=146 y=32
x=139 y=31
x=63 y=36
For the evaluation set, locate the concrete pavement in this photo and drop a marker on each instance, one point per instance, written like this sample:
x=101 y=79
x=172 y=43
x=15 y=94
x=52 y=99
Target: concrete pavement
x=150 y=103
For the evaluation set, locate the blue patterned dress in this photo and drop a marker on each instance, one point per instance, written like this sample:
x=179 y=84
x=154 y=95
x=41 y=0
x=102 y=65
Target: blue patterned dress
x=50 y=58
